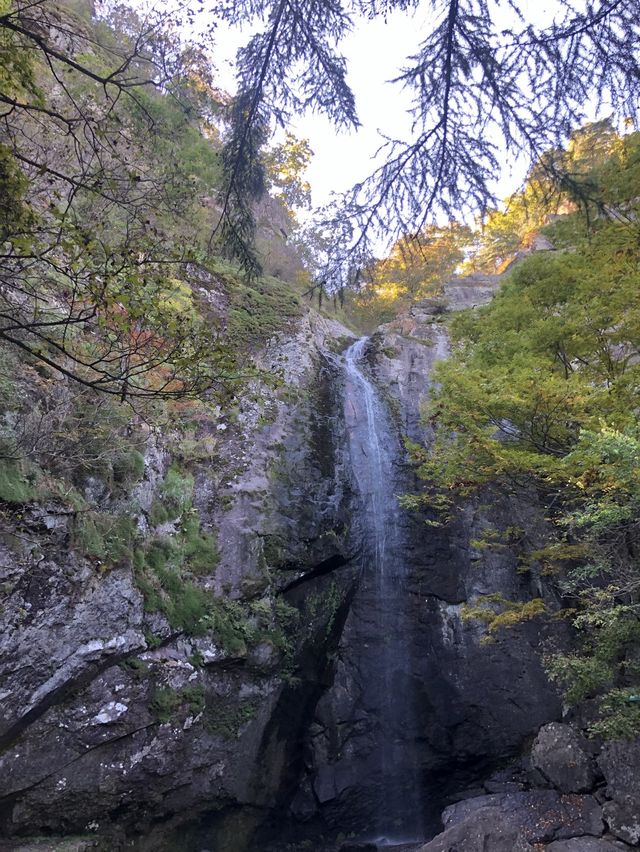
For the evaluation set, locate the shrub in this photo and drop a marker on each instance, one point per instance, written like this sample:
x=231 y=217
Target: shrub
x=108 y=538
x=128 y=467
x=164 y=703
x=177 y=491
x=14 y=486
x=200 y=548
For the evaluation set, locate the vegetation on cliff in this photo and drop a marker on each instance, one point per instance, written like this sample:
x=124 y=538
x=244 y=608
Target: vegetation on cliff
x=110 y=171
x=131 y=191
x=125 y=330
x=541 y=391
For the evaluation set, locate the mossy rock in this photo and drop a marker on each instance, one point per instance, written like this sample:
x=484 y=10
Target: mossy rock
x=200 y=548
x=106 y=537
x=226 y=717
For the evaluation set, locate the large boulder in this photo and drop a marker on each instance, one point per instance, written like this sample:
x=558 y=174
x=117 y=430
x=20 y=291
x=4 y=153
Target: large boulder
x=559 y=753
x=585 y=844
x=623 y=821
x=619 y=762
x=513 y=822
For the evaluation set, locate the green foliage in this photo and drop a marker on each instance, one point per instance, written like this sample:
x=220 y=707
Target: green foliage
x=194 y=696
x=152 y=639
x=261 y=309
x=107 y=538
x=495 y=539
x=15 y=216
x=285 y=164
x=580 y=676
x=158 y=513
x=416 y=268
x=160 y=578
x=620 y=715
x=136 y=667
x=164 y=704
x=497 y=613
x=14 y=484
x=161 y=553
x=605 y=665
x=541 y=392
x=598 y=170
x=165 y=564
x=128 y=467
x=185 y=604
x=226 y=718
x=230 y=624
x=95 y=273
x=272 y=549
x=177 y=491
x=555 y=557
x=200 y=548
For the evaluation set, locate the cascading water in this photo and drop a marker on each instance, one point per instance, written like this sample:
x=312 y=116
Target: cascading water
x=380 y=613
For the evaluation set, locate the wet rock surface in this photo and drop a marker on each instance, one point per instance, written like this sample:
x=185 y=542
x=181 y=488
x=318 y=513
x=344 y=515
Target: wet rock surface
x=468 y=705
x=290 y=725
x=535 y=818
x=515 y=821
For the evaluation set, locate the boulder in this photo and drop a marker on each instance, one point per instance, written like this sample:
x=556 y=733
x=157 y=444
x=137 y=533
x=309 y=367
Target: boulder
x=585 y=844
x=619 y=762
x=511 y=822
x=623 y=821
x=358 y=847
x=559 y=753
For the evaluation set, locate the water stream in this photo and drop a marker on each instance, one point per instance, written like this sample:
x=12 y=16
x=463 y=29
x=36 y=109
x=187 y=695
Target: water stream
x=384 y=661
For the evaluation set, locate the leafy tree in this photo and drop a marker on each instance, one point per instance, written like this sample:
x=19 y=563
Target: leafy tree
x=416 y=268
x=541 y=392
x=560 y=181
x=419 y=263
x=484 y=71
x=286 y=164
x=101 y=143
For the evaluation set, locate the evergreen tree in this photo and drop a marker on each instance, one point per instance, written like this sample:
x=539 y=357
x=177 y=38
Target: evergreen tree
x=486 y=74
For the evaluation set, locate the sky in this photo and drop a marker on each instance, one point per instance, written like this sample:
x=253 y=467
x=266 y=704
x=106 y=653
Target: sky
x=375 y=51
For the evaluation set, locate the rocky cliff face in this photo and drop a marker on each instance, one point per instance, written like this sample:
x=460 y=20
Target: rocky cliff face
x=469 y=706
x=118 y=718
x=120 y=722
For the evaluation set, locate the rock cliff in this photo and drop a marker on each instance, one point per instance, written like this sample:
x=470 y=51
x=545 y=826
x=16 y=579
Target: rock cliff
x=472 y=706
x=269 y=717
x=122 y=719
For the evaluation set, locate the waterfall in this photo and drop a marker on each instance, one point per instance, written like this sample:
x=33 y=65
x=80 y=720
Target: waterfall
x=381 y=609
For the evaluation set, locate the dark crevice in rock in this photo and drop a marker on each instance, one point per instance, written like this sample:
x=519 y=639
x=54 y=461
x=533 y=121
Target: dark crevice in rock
x=293 y=716
x=327 y=566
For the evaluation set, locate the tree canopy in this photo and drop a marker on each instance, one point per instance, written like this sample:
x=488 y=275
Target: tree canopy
x=540 y=395
x=490 y=80
x=103 y=147
x=416 y=268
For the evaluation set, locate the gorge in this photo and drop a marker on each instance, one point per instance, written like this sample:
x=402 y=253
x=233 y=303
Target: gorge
x=347 y=691
x=302 y=548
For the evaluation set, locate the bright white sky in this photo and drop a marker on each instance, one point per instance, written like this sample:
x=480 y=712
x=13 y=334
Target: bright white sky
x=376 y=50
